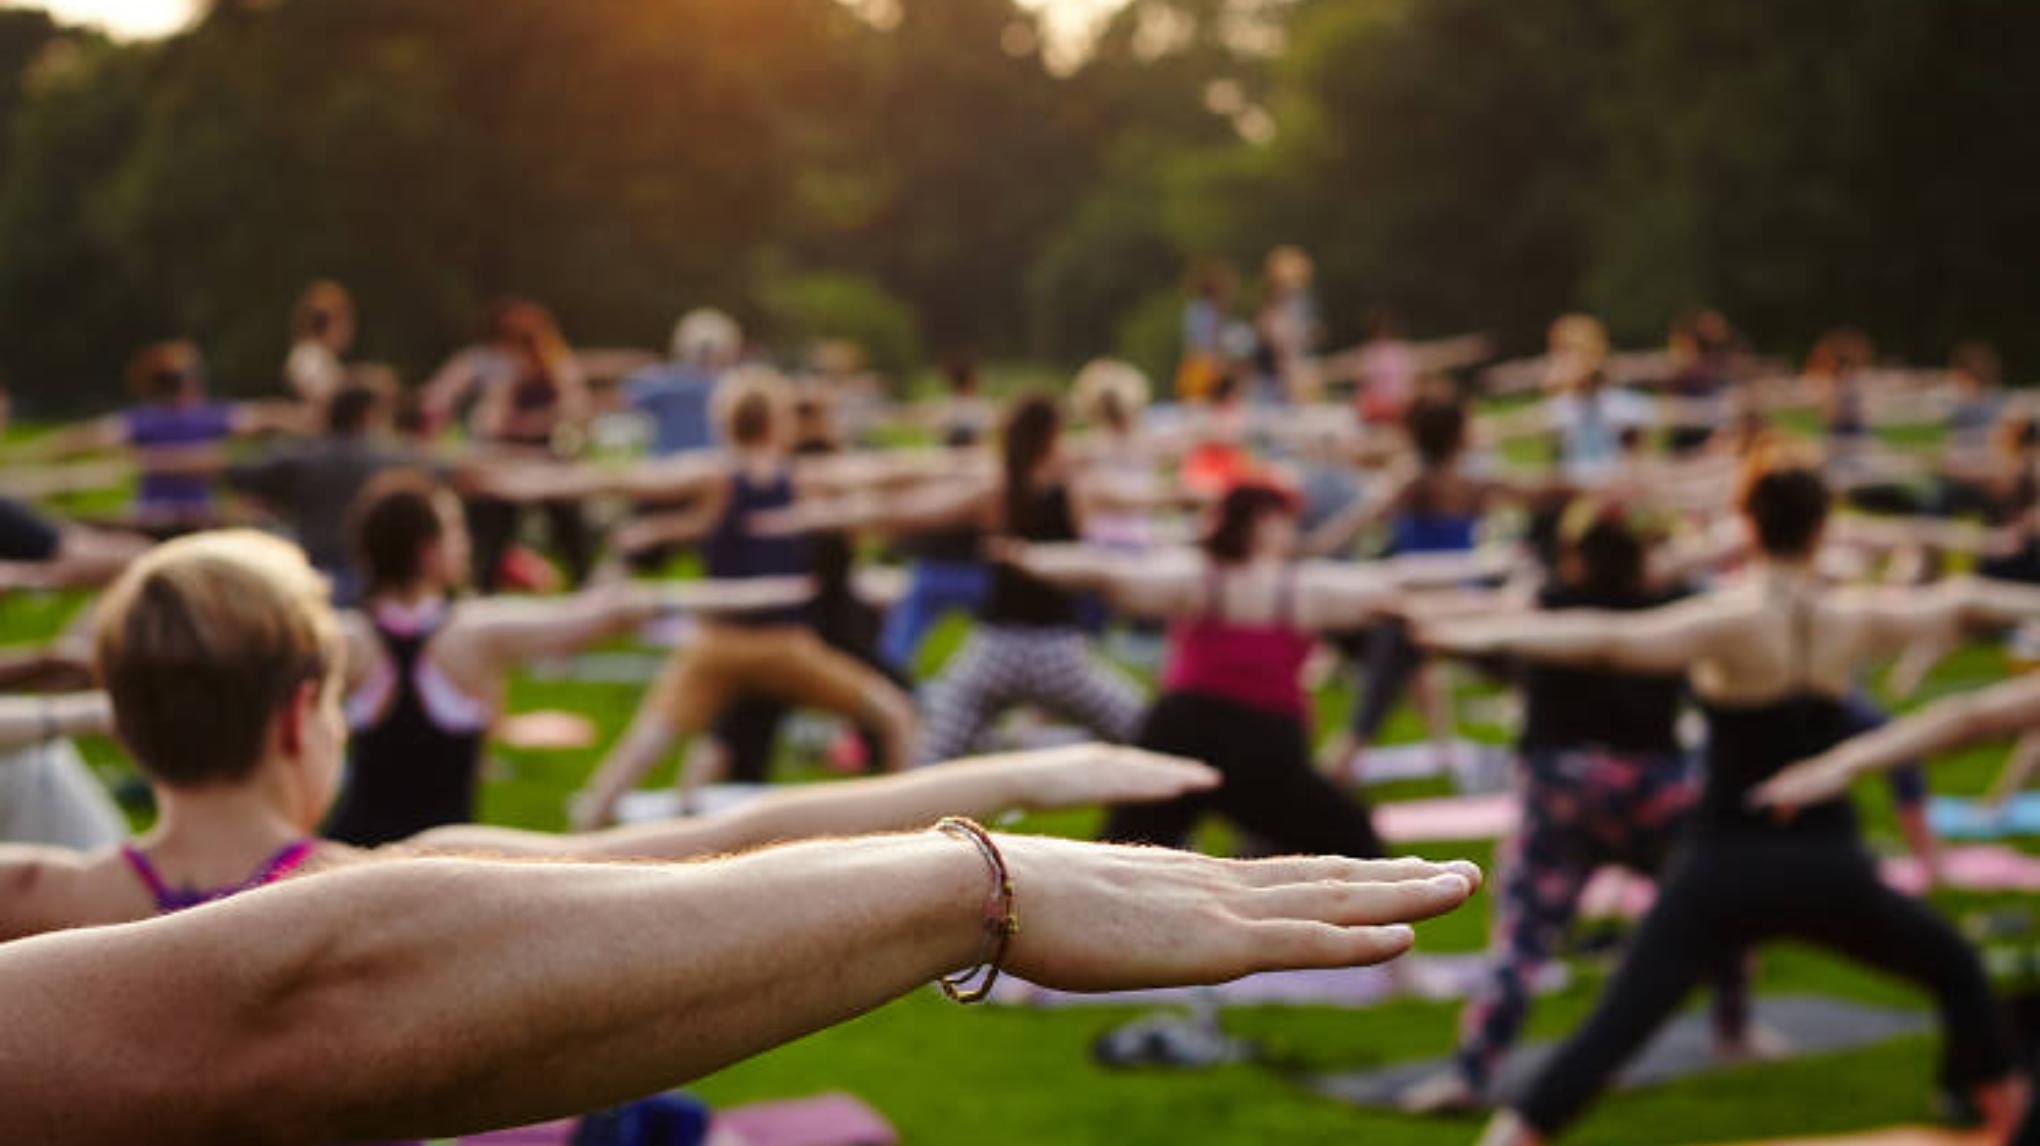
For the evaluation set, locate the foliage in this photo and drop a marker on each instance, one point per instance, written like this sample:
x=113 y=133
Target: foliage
x=1474 y=162
x=802 y=310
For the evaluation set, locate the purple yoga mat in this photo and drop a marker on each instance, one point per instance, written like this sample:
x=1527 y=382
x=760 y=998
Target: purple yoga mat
x=546 y=1134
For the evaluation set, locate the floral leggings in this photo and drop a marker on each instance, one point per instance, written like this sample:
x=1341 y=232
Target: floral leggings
x=1583 y=809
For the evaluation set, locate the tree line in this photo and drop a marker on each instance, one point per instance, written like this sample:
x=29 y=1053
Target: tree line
x=924 y=178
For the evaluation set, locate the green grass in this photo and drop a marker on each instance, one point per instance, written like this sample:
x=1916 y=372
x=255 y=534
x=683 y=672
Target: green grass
x=943 y=1074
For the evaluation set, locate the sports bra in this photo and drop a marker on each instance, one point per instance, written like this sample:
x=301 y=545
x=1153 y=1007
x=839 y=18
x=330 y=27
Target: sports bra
x=1749 y=744
x=1259 y=666
x=410 y=771
x=733 y=552
x=174 y=899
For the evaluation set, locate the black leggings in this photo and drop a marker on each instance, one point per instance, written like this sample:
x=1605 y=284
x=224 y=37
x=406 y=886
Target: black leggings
x=1726 y=893
x=749 y=730
x=1270 y=788
x=492 y=527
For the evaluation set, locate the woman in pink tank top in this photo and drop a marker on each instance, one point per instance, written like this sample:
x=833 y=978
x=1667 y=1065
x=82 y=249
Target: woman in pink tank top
x=1246 y=616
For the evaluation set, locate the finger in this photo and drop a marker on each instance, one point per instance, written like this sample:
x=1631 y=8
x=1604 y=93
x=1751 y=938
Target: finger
x=1318 y=869
x=1302 y=945
x=1353 y=904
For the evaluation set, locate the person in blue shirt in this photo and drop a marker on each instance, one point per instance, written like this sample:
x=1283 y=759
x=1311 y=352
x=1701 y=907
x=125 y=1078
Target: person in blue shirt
x=675 y=395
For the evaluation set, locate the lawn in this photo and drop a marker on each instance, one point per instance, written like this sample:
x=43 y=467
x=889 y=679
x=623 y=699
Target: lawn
x=944 y=1074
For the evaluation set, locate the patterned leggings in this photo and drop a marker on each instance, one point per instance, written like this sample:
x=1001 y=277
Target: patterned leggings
x=1582 y=810
x=1002 y=667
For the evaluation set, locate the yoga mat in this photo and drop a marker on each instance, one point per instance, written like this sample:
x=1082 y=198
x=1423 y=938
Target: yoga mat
x=603 y=668
x=1437 y=977
x=546 y=731
x=1958 y=819
x=1995 y=868
x=651 y=807
x=546 y=1134
x=826 y=1120
x=1896 y=1136
x=1452 y=818
x=1476 y=767
x=1811 y=1025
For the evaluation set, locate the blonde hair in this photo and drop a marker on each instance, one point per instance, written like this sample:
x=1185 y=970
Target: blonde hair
x=202 y=642
x=1111 y=393
x=707 y=335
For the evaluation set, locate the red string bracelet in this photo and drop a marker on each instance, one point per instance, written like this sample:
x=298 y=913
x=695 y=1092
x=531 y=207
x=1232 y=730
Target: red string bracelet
x=1000 y=922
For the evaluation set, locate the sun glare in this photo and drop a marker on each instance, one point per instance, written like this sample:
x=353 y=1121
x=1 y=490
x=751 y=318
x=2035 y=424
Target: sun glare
x=1066 y=20
x=134 y=18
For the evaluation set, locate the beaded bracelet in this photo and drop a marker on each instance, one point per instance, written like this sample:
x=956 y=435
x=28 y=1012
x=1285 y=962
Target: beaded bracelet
x=1000 y=922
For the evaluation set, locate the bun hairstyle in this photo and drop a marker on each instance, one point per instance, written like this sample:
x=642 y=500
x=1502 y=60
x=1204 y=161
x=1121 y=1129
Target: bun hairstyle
x=1230 y=540
x=1785 y=499
x=752 y=406
x=1110 y=393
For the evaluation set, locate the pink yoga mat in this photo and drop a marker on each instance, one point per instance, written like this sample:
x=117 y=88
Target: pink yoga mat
x=546 y=1134
x=1986 y=869
x=1900 y=1136
x=1459 y=818
x=826 y=1120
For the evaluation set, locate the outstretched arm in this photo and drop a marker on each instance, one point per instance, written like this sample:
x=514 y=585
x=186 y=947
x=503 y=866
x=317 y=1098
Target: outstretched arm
x=1656 y=641
x=1996 y=713
x=433 y=997
x=26 y=720
x=1080 y=776
x=1168 y=584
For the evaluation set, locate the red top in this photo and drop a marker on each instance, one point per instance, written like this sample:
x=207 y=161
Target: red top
x=1259 y=666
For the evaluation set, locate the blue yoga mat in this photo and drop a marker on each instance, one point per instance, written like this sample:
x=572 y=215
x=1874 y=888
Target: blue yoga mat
x=1958 y=819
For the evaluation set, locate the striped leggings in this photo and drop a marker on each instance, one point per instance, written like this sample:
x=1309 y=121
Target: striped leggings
x=1003 y=667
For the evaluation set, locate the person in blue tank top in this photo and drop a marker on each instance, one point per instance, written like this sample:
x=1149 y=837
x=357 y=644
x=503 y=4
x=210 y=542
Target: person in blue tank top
x=1435 y=508
x=775 y=654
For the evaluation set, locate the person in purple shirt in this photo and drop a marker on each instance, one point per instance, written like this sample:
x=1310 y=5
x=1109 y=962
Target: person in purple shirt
x=175 y=430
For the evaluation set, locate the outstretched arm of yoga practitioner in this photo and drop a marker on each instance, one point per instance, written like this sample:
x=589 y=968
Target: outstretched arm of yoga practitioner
x=1165 y=584
x=1659 y=640
x=853 y=471
x=1997 y=713
x=96 y=436
x=1079 y=776
x=961 y=501
x=488 y=637
x=28 y=720
x=426 y=998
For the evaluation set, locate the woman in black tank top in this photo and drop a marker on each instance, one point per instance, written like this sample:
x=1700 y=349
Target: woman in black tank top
x=1028 y=646
x=1746 y=877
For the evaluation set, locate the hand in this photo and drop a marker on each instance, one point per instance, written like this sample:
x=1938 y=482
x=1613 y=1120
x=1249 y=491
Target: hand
x=1086 y=775
x=1809 y=782
x=1099 y=918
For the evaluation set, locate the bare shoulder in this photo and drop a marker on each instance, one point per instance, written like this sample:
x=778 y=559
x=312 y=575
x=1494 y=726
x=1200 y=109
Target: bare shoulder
x=46 y=889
